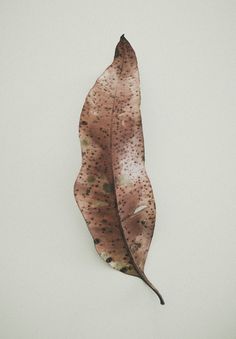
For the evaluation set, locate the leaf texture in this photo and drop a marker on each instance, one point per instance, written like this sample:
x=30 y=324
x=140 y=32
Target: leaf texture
x=112 y=189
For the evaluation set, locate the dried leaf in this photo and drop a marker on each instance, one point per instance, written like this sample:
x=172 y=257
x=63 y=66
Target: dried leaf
x=112 y=189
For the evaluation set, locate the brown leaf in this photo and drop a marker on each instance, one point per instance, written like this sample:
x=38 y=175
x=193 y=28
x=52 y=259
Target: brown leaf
x=112 y=189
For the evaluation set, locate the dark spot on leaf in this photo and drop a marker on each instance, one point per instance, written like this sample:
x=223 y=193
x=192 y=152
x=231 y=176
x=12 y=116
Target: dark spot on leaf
x=123 y=269
x=117 y=52
x=109 y=259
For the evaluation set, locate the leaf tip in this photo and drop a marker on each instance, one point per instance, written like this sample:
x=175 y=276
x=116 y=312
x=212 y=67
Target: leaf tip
x=161 y=300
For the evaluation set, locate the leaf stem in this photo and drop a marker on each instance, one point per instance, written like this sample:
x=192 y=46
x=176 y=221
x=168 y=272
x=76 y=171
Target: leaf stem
x=155 y=290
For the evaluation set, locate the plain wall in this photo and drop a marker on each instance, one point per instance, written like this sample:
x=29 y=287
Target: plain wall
x=53 y=285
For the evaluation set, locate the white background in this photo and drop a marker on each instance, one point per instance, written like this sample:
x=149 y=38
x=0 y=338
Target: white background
x=53 y=285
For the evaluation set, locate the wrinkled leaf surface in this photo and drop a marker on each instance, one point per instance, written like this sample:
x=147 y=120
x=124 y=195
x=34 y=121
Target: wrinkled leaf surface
x=112 y=189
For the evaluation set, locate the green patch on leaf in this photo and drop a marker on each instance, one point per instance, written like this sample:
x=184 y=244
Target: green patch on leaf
x=108 y=187
x=84 y=142
x=90 y=178
x=99 y=203
x=124 y=180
